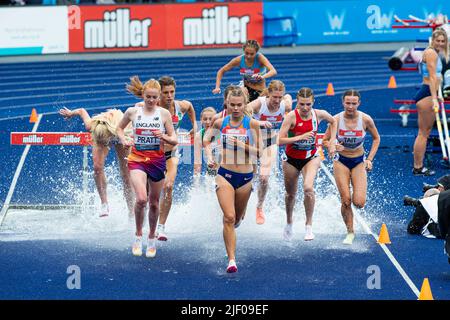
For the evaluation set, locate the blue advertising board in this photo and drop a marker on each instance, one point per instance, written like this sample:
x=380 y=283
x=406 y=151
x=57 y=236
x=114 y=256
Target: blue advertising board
x=345 y=21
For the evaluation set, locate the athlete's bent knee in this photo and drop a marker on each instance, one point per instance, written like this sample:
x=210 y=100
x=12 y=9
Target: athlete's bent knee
x=359 y=203
x=141 y=201
x=229 y=219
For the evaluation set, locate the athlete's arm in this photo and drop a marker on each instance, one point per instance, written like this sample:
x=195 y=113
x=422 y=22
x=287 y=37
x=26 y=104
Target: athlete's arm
x=271 y=71
x=431 y=60
x=189 y=109
x=126 y=119
x=197 y=153
x=81 y=112
x=211 y=132
x=322 y=114
x=170 y=136
x=230 y=65
x=255 y=131
x=287 y=98
x=288 y=123
x=255 y=105
x=372 y=129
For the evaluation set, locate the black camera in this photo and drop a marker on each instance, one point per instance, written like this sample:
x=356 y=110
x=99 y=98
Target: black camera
x=410 y=201
x=427 y=187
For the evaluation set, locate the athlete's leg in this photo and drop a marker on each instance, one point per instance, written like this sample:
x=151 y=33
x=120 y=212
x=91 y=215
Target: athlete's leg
x=241 y=197
x=153 y=214
x=342 y=177
x=139 y=182
x=267 y=159
x=226 y=197
x=99 y=154
x=359 y=186
x=309 y=173
x=426 y=118
x=122 y=152
x=166 y=201
x=291 y=175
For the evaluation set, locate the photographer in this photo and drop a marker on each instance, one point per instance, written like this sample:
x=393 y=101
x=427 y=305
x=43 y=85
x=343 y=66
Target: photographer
x=425 y=218
x=432 y=215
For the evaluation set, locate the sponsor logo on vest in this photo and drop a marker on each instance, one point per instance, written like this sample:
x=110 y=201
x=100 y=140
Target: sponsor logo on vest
x=69 y=139
x=32 y=139
x=117 y=30
x=148 y=125
x=215 y=27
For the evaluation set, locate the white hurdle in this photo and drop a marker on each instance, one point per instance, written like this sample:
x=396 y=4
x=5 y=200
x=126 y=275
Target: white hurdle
x=56 y=139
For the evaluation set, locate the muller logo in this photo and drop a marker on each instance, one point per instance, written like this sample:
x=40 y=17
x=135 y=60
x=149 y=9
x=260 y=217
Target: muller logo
x=32 y=139
x=117 y=30
x=215 y=26
x=69 y=139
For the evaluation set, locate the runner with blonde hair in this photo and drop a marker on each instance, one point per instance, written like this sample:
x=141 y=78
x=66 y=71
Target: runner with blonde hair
x=103 y=131
x=241 y=140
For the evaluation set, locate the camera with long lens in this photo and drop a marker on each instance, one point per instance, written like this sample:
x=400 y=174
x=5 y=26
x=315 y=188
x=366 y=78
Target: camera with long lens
x=427 y=187
x=410 y=201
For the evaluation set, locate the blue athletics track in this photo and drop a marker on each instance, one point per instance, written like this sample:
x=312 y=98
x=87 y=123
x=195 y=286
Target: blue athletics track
x=41 y=248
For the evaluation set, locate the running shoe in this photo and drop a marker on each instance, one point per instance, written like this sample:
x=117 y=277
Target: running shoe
x=260 y=218
x=309 y=235
x=104 y=212
x=423 y=172
x=349 y=238
x=161 y=233
x=137 y=247
x=151 y=248
x=287 y=234
x=232 y=268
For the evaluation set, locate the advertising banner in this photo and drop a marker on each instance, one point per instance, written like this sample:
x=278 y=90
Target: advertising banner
x=163 y=27
x=33 y=30
x=345 y=21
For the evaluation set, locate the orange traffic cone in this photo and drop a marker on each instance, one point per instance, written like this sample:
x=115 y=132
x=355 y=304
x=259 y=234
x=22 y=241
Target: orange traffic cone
x=384 y=235
x=392 y=83
x=330 y=90
x=34 y=116
x=425 y=291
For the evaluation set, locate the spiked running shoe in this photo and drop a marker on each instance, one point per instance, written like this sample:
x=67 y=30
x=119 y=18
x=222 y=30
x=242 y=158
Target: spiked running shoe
x=137 y=247
x=151 y=248
x=232 y=268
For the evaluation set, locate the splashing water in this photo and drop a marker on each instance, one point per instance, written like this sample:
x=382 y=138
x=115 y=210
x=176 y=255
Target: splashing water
x=197 y=217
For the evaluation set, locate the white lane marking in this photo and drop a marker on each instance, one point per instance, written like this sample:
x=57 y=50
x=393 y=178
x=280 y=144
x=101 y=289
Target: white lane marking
x=366 y=227
x=16 y=175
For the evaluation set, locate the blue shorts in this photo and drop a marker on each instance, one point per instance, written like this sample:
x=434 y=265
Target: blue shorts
x=423 y=92
x=350 y=163
x=236 y=179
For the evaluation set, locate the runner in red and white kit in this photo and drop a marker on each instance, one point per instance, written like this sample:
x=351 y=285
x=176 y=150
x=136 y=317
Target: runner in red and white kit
x=298 y=132
x=269 y=109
